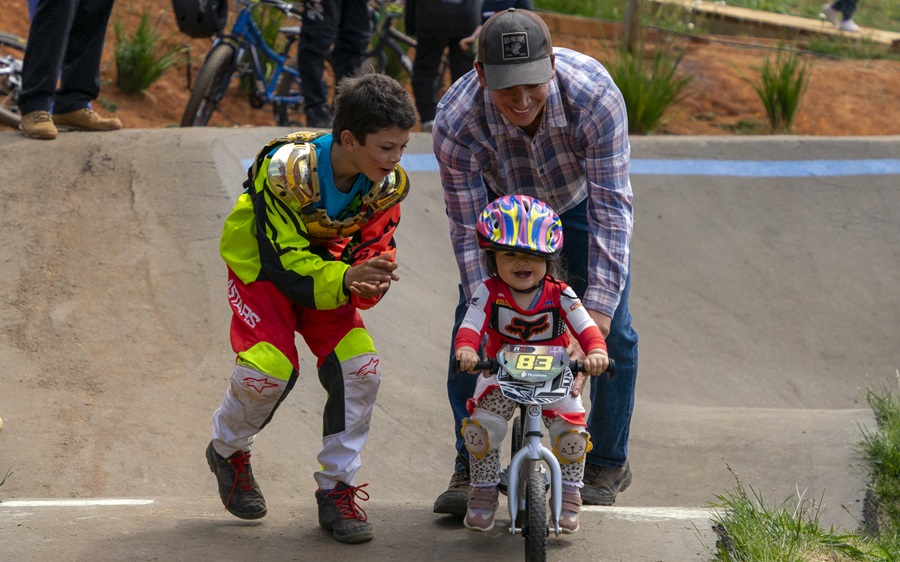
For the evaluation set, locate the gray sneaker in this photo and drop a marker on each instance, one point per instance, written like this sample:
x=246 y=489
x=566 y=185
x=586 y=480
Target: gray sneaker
x=339 y=513
x=453 y=500
x=602 y=485
x=482 y=506
x=237 y=488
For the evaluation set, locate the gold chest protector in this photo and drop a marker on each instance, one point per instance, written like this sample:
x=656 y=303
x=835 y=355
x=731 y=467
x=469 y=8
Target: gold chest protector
x=292 y=175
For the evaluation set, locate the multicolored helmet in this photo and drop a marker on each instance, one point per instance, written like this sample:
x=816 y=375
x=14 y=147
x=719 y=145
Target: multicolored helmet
x=522 y=224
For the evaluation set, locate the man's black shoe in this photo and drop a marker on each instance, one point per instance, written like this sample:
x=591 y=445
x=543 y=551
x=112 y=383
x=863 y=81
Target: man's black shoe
x=319 y=117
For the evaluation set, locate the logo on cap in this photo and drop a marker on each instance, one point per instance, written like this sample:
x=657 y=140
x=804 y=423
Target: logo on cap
x=515 y=45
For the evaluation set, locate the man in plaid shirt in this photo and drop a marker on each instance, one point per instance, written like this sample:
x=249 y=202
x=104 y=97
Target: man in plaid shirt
x=551 y=124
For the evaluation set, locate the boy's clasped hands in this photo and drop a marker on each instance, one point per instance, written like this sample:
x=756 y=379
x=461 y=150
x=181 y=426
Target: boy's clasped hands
x=371 y=278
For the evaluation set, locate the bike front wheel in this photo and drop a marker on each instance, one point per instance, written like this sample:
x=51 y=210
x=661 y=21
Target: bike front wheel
x=12 y=53
x=536 y=528
x=212 y=82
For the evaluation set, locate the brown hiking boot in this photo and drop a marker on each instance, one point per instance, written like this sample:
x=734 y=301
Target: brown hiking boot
x=602 y=485
x=339 y=513
x=38 y=125
x=453 y=500
x=86 y=120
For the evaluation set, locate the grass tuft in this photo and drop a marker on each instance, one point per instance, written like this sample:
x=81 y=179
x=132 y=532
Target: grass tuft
x=783 y=80
x=141 y=56
x=751 y=531
x=881 y=449
x=650 y=84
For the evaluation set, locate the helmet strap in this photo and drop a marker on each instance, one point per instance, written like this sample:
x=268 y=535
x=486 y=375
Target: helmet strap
x=528 y=290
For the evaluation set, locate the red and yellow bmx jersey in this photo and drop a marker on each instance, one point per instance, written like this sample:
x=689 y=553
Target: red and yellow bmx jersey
x=493 y=310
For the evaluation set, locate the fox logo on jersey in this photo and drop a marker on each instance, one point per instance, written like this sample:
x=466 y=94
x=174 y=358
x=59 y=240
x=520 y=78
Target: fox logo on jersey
x=525 y=329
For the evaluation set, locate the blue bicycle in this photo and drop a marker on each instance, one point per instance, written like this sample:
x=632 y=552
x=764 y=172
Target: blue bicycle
x=244 y=53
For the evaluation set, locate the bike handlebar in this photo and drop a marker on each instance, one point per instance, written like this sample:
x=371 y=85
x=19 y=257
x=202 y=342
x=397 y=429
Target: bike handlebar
x=576 y=366
x=277 y=4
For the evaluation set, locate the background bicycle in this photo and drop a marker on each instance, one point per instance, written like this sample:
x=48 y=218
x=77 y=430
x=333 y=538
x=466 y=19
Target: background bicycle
x=12 y=52
x=258 y=59
x=389 y=49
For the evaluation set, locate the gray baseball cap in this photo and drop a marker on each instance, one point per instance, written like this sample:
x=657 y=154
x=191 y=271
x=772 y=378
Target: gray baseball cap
x=514 y=48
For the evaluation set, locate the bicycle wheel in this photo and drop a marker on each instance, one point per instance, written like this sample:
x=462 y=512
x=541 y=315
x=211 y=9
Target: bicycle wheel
x=536 y=528
x=288 y=114
x=211 y=84
x=12 y=52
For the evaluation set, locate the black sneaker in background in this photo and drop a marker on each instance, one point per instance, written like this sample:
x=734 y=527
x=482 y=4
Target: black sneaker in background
x=319 y=117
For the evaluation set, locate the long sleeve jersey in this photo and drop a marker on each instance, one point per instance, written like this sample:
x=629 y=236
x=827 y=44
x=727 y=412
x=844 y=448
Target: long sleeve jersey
x=264 y=239
x=493 y=310
x=580 y=151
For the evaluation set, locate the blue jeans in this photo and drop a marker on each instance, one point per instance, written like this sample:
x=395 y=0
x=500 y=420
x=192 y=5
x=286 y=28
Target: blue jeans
x=845 y=7
x=612 y=399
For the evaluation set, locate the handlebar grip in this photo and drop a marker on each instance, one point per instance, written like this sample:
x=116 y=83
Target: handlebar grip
x=578 y=367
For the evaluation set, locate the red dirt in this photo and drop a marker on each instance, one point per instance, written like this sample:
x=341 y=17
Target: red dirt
x=844 y=97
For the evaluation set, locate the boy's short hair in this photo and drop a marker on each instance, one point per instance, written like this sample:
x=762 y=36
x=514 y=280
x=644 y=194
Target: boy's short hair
x=369 y=103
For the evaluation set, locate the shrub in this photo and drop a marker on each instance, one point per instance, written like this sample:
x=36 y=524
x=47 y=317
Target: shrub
x=782 y=82
x=141 y=56
x=649 y=85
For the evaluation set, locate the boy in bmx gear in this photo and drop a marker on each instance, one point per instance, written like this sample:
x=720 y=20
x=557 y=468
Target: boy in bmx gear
x=522 y=301
x=308 y=244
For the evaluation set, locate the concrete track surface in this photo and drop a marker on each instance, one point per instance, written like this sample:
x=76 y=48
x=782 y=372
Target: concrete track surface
x=765 y=306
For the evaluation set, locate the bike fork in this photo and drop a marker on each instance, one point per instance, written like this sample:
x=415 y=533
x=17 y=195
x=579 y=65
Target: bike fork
x=532 y=451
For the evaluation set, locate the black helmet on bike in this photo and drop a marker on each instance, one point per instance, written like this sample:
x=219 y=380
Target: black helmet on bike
x=200 y=18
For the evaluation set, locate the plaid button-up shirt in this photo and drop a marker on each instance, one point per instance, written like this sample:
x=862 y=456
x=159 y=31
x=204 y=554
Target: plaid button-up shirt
x=579 y=151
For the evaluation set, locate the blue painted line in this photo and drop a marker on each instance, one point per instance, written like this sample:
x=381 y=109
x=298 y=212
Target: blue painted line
x=725 y=168
x=733 y=168
x=765 y=168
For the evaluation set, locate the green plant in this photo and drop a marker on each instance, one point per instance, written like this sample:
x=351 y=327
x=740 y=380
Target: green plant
x=649 y=85
x=782 y=82
x=108 y=104
x=881 y=448
x=8 y=473
x=750 y=531
x=141 y=56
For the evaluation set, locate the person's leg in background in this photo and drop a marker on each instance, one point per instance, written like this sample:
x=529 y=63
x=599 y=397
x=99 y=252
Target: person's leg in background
x=461 y=61
x=460 y=388
x=607 y=471
x=353 y=38
x=425 y=69
x=317 y=34
x=48 y=37
x=80 y=78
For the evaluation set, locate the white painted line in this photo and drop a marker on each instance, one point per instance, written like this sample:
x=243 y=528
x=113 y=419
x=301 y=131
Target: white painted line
x=72 y=503
x=650 y=513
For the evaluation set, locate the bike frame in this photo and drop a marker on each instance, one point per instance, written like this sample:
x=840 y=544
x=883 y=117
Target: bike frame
x=247 y=38
x=526 y=460
x=390 y=38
